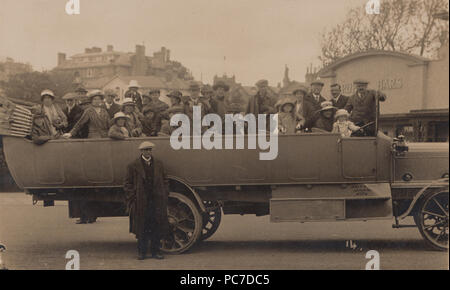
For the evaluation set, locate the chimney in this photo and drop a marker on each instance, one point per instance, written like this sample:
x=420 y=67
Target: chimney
x=168 y=55
x=61 y=58
x=139 y=66
x=109 y=48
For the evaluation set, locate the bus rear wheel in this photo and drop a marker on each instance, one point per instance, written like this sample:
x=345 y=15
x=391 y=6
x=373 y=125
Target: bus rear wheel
x=211 y=219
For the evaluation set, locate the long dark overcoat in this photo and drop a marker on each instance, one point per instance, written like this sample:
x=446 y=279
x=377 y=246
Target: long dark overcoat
x=147 y=205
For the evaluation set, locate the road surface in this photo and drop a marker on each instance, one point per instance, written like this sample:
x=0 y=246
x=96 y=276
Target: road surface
x=39 y=238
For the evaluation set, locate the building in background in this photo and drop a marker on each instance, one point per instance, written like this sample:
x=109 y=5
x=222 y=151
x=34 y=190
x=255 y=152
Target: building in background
x=9 y=67
x=95 y=64
x=417 y=90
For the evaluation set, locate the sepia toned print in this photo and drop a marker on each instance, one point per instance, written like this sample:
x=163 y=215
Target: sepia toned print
x=234 y=135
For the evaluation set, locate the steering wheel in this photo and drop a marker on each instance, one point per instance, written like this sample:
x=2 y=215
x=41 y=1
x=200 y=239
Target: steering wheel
x=362 y=130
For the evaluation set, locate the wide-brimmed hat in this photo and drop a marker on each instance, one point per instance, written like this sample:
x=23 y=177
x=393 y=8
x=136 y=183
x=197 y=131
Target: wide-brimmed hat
x=146 y=145
x=285 y=101
x=47 y=93
x=133 y=84
x=221 y=84
x=128 y=102
x=262 y=84
x=95 y=93
x=119 y=115
x=340 y=113
x=300 y=89
x=70 y=96
x=327 y=105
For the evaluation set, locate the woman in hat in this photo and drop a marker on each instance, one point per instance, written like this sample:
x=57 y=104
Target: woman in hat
x=95 y=116
x=343 y=125
x=325 y=118
x=133 y=122
x=118 y=130
x=133 y=93
x=56 y=116
x=287 y=120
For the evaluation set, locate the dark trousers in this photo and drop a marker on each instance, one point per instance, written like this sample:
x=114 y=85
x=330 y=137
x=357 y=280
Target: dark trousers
x=143 y=241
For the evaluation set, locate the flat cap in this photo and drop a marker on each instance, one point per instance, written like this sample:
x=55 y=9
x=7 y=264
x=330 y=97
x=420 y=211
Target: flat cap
x=146 y=145
x=317 y=82
x=110 y=92
x=360 y=81
x=194 y=86
x=175 y=94
x=70 y=96
x=206 y=89
x=154 y=91
x=221 y=84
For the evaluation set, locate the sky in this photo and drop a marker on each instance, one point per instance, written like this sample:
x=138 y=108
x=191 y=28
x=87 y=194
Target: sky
x=252 y=39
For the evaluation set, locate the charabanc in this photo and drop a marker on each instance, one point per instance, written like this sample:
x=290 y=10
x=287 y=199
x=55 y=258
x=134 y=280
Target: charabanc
x=316 y=177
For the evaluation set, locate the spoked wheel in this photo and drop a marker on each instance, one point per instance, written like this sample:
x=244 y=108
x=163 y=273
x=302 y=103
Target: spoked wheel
x=185 y=224
x=432 y=219
x=211 y=219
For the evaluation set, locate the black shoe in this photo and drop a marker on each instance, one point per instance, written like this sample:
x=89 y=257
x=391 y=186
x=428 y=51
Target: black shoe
x=81 y=221
x=141 y=257
x=91 y=220
x=158 y=256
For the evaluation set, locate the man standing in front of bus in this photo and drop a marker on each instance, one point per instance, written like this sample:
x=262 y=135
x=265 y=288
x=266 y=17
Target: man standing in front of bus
x=146 y=187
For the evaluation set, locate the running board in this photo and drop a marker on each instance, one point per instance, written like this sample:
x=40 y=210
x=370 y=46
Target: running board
x=330 y=203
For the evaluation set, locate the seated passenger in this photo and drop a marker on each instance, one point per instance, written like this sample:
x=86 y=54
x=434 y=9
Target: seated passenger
x=41 y=131
x=151 y=122
x=133 y=124
x=154 y=102
x=343 y=125
x=166 y=129
x=57 y=118
x=325 y=119
x=118 y=130
x=287 y=122
x=95 y=116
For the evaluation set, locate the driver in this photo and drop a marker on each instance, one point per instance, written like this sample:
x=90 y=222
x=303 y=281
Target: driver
x=362 y=106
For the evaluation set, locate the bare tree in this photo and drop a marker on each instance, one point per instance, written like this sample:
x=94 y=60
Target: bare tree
x=402 y=25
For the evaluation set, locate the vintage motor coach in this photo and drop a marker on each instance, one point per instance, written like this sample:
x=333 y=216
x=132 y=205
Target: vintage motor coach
x=316 y=177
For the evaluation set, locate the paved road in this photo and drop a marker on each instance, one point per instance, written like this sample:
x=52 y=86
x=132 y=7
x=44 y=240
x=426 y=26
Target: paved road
x=38 y=238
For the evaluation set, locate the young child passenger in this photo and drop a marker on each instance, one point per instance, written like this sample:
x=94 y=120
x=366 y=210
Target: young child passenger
x=343 y=125
x=119 y=130
x=287 y=118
